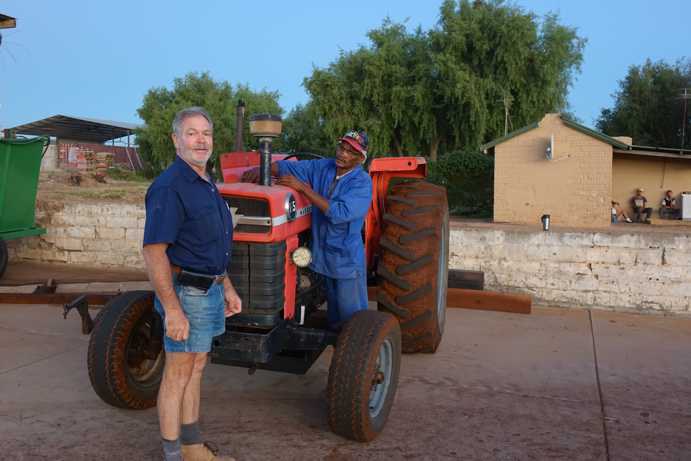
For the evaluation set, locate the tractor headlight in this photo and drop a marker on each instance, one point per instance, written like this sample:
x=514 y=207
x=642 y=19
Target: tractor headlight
x=302 y=257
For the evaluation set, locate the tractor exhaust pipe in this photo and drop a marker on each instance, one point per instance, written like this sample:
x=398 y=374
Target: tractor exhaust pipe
x=239 y=126
x=265 y=127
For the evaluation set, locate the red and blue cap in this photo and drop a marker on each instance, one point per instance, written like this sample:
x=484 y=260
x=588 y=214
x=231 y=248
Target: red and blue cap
x=357 y=140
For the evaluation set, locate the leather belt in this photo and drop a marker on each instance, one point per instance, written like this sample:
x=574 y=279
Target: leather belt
x=195 y=279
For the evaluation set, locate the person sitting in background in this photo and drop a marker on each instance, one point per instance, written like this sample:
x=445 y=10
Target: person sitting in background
x=618 y=213
x=639 y=202
x=668 y=206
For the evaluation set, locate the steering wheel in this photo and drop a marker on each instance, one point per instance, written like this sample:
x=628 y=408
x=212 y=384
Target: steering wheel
x=304 y=155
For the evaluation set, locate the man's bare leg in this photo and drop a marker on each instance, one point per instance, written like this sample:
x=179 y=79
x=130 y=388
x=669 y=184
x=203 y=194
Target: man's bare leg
x=176 y=376
x=190 y=401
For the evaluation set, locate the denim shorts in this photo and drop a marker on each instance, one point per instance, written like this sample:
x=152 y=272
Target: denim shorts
x=205 y=313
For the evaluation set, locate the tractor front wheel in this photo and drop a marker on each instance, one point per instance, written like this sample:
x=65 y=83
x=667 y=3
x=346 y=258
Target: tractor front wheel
x=126 y=356
x=414 y=265
x=363 y=376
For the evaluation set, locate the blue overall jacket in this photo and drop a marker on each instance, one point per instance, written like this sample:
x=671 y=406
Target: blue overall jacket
x=337 y=247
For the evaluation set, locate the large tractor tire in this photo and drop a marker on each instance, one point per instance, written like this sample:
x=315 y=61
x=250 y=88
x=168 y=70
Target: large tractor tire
x=414 y=265
x=4 y=256
x=126 y=357
x=363 y=376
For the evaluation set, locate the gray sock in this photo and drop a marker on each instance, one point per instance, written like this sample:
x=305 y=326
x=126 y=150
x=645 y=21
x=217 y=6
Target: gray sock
x=171 y=450
x=189 y=434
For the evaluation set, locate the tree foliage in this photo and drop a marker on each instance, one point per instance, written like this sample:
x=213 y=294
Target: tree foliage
x=468 y=177
x=647 y=105
x=449 y=88
x=218 y=98
x=304 y=131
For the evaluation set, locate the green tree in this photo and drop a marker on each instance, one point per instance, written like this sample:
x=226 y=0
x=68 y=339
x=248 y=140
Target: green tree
x=304 y=131
x=648 y=106
x=486 y=67
x=218 y=98
x=468 y=177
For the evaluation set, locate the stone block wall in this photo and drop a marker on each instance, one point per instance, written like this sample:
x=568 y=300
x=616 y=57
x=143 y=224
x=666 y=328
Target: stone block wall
x=97 y=235
x=634 y=271
x=612 y=269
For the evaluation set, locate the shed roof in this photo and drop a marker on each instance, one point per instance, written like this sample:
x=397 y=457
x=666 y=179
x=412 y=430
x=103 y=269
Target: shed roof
x=80 y=128
x=570 y=123
x=7 y=22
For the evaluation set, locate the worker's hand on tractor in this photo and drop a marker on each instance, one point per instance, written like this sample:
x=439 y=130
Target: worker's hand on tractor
x=177 y=326
x=250 y=175
x=292 y=182
x=233 y=301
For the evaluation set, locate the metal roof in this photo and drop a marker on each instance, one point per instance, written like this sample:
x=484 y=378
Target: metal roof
x=570 y=123
x=77 y=128
x=647 y=151
x=7 y=22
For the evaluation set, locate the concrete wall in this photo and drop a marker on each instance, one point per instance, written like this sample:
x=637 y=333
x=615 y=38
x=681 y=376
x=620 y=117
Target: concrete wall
x=97 y=235
x=655 y=175
x=622 y=270
x=574 y=188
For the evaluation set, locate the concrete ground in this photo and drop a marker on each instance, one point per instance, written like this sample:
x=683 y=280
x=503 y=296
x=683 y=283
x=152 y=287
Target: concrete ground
x=556 y=384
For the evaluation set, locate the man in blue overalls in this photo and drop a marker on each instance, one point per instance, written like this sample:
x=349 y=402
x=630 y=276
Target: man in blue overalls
x=340 y=191
x=187 y=239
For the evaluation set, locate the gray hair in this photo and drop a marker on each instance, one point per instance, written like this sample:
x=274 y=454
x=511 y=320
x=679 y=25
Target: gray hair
x=189 y=112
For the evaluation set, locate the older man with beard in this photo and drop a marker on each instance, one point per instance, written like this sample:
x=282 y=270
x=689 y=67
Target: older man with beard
x=187 y=247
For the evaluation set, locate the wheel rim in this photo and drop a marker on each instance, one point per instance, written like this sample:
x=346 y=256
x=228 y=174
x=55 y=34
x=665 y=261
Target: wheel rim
x=144 y=356
x=381 y=381
x=442 y=282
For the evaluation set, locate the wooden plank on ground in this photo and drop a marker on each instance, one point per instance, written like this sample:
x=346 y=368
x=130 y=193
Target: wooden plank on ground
x=489 y=301
x=480 y=300
x=93 y=299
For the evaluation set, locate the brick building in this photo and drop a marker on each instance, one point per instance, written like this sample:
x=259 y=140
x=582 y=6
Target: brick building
x=564 y=169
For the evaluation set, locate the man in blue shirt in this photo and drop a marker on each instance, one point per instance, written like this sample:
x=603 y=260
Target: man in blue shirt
x=341 y=192
x=187 y=241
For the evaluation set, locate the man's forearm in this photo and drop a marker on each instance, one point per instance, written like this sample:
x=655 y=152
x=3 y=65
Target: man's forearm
x=160 y=275
x=316 y=199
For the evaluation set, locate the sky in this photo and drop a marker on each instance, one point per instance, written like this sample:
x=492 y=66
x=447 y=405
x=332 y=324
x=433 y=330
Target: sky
x=98 y=59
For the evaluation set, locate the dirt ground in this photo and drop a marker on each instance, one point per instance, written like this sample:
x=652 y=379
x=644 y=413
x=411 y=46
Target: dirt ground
x=557 y=384
x=56 y=186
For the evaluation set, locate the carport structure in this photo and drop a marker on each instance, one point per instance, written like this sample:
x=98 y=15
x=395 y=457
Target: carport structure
x=74 y=134
x=76 y=128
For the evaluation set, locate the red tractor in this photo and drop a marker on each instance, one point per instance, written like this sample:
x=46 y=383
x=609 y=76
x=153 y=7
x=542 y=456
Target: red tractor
x=283 y=325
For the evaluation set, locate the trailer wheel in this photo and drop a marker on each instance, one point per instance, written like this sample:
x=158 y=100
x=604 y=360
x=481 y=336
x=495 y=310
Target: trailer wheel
x=363 y=376
x=3 y=257
x=126 y=357
x=414 y=265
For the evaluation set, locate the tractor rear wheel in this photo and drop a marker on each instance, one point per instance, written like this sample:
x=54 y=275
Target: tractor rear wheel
x=126 y=357
x=414 y=265
x=3 y=257
x=363 y=376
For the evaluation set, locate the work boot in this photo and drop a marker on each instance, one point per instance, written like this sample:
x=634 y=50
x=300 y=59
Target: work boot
x=202 y=452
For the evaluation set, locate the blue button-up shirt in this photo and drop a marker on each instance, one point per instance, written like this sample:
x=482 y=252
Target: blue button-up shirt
x=188 y=213
x=337 y=247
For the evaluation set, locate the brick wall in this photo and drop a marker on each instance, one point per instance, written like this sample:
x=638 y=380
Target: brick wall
x=574 y=188
x=122 y=156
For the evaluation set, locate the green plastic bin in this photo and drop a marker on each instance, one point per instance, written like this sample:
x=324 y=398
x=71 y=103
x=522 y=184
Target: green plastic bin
x=20 y=163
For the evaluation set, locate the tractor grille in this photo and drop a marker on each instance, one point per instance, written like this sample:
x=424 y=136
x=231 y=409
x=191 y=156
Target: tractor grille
x=257 y=271
x=253 y=207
